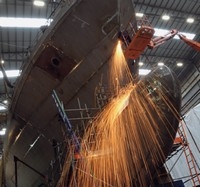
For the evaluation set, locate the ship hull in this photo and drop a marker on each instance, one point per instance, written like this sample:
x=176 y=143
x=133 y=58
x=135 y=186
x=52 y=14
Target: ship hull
x=70 y=57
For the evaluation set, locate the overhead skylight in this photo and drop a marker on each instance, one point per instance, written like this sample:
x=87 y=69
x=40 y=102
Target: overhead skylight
x=24 y=22
x=162 y=32
x=2 y=108
x=144 y=71
x=11 y=73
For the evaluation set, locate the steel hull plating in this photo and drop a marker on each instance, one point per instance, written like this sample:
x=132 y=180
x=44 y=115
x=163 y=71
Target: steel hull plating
x=70 y=58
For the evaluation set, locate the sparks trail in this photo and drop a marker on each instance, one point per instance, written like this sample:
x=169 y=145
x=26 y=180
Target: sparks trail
x=133 y=134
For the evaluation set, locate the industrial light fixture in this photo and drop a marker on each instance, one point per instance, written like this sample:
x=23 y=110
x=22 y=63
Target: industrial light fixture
x=3 y=131
x=160 y=64
x=24 y=22
x=144 y=71
x=5 y=101
x=11 y=73
x=165 y=17
x=139 y=14
x=162 y=32
x=179 y=64
x=140 y=63
x=39 y=3
x=190 y=20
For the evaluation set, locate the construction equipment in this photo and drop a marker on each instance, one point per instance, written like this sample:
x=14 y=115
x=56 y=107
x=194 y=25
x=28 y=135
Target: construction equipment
x=189 y=42
x=143 y=38
x=155 y=42
x=139 y=42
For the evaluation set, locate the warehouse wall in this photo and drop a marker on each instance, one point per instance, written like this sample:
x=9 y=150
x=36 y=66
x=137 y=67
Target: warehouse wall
x=180 y=169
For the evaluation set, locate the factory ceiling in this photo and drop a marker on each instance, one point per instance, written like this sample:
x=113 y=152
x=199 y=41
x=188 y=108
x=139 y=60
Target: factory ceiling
x=16 y=43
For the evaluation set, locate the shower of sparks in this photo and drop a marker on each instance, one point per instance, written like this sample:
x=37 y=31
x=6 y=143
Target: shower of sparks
x=123 y=145
x=119 y=74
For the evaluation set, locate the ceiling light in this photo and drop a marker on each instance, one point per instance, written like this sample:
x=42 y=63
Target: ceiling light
x=165 y=17
x=5 y=101
x=190 y=20
x=3 y=131
x=11 y=73
x=140 y=63
x=39 y=3
x=179 y=64
x=24 y=22
x=160 y=64
x=144 y=71
x=139 y=14
x=162 y=32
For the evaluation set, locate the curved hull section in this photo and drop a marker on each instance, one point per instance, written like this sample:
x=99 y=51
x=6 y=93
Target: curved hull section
x=70 y=58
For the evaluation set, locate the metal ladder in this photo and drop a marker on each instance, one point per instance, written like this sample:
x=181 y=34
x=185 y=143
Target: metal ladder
x=195 y=178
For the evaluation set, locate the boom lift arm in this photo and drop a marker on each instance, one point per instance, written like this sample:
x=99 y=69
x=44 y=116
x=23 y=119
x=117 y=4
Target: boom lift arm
x=155 y=42
x=189 y=42
x=143 y=39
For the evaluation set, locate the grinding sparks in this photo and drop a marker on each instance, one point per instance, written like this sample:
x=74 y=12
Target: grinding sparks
x=119 y=72
x=124 y=146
